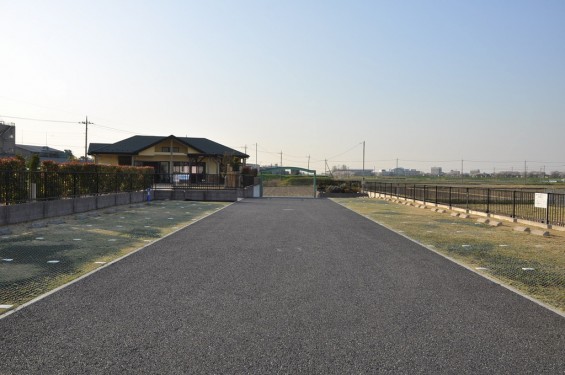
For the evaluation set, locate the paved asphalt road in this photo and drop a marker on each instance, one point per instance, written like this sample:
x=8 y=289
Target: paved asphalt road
x=283 y=286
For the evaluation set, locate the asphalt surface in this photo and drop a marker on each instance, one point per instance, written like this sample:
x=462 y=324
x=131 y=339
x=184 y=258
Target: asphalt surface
x=283 y=286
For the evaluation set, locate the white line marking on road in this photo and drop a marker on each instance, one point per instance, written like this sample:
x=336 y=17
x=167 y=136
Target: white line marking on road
x=100 y=262
x=147 y=226
x=481 y=268
x=503 y=245
x=39 y=238
x=7 y=259
x=77 y=239
x=112 y=240
x=465 y=245
x=528 y=269
x=53 y=261
x=119 y=226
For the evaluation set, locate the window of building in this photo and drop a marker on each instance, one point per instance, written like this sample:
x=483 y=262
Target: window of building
x=168 y=149
x=186 y=167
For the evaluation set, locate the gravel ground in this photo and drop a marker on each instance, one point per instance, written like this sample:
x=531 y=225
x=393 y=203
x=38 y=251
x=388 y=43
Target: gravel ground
x=40 y=256
x=283 y=286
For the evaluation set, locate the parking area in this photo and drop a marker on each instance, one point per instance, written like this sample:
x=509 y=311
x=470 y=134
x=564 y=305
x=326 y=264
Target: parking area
x=40 y=256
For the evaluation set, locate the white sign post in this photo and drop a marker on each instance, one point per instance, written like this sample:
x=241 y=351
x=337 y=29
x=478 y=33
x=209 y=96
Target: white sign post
x=540 y=200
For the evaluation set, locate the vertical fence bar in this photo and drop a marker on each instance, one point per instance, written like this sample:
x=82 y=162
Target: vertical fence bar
x=467 y=204
x=488 y=201
x=547 y=209
x=513 y=203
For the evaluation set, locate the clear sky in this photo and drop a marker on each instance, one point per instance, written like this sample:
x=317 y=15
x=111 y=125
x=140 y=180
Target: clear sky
x=430 y=83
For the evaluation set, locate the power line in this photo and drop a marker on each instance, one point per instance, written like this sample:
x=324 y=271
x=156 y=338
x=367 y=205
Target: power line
x=42 y=120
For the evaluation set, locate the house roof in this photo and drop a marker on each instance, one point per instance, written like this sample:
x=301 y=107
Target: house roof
x=39 y=149
x=134 y=145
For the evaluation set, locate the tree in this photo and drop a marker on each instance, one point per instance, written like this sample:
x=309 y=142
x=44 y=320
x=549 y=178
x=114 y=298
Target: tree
x=70 y=156
x=33 y=163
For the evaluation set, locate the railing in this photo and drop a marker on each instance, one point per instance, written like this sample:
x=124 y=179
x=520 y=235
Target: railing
x=517 y=204
x=24 y=186
x=200 y=181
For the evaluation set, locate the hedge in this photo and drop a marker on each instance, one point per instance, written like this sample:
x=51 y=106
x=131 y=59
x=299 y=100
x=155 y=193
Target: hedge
x=65 y=180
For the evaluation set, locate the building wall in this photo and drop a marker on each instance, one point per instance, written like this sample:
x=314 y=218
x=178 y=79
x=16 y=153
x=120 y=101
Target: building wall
x=7 y=139
x=150 y=156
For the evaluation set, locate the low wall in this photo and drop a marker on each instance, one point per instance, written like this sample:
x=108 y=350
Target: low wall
x=21 y=213
x=197 y=195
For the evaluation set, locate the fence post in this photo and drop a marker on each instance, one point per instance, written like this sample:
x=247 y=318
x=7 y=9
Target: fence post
x=467 y=205
x=414 y=193
x=74 y=185
x=513 y=204
x=436 y=195
x=424 y=195
x=488 y=200
x=547 y=210
x=450 y=197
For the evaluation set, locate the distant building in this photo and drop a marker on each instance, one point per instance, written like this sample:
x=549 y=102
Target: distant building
x=400 y=172
x=44 y=153
x=9 y=148
x=7 y=139
x=436 y=171
x=342 y=173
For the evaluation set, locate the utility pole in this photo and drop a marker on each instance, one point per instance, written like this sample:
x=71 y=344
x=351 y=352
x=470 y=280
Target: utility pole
x=363 y=159
x=86 y=138
x=281 y=160
x=461 y=170
x=308 y=162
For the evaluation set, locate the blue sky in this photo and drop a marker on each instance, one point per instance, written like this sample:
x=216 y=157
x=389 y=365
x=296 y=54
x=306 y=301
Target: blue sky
x=427 y=82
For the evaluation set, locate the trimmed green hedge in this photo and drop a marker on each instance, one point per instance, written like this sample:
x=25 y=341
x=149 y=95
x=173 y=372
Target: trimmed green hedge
x=66 y=180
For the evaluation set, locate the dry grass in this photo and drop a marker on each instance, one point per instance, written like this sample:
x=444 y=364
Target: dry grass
x=532 y=264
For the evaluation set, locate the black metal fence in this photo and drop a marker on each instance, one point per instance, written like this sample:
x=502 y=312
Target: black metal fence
x=24 y=186
x=517 y=204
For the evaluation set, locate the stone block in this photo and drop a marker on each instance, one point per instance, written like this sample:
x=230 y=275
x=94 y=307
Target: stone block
x=539 y=232
x=495 y=223
x=483 y=220
x=521 y=229
x=455 y=214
